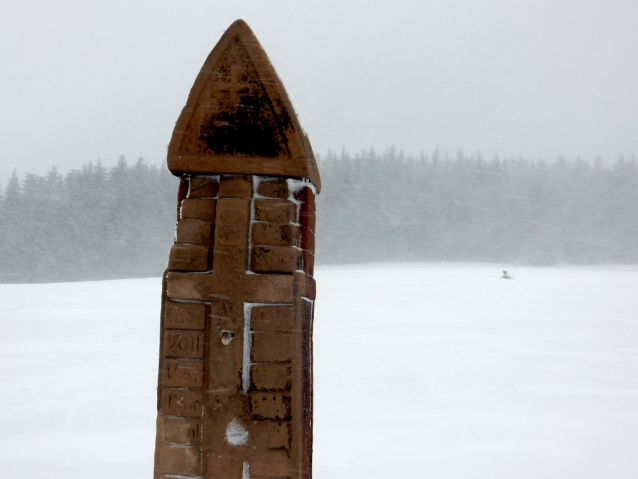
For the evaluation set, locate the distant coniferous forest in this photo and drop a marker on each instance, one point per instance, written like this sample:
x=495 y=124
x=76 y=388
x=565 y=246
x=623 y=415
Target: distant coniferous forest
x=118 y=222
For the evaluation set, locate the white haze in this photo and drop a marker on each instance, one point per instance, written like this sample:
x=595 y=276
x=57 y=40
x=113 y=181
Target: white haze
x=439 y=370
x=88 y=79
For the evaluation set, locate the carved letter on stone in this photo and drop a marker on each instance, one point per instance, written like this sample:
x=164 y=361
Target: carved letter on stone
x=235 y=372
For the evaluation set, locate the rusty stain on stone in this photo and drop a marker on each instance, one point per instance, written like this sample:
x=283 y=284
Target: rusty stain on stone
x=235 y=373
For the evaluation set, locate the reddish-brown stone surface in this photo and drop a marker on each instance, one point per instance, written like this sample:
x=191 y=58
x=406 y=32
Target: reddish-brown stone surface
x=238 y=117
x=235 y=372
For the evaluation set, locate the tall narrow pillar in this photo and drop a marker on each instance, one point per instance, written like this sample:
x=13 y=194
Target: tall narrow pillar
x=235 y=372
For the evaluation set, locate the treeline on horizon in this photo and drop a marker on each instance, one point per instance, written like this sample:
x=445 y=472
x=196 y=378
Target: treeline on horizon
x=118 y=222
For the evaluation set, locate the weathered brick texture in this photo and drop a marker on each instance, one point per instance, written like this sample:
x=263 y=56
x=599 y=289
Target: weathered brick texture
x=274 y=259
x=274 y=211
x=198 y=209
x=275 y=234
x=203 y=187
x=188 y=258
x=195 y=232
x=272 y=318
x=274 y=188
x=235 y=372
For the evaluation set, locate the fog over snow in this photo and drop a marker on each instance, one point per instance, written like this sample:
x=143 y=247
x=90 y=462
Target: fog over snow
x=82 y=80
x=421 y=370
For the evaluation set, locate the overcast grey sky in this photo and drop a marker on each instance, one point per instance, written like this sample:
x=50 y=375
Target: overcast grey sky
x=82 y=79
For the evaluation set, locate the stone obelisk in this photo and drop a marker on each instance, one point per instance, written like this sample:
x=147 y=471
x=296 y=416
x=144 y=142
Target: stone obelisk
x=235 y=372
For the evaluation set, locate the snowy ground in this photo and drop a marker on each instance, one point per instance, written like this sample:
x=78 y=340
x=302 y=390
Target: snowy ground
x=421 y=370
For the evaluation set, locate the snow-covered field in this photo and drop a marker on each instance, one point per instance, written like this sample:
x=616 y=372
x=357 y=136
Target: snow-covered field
x=421 y=370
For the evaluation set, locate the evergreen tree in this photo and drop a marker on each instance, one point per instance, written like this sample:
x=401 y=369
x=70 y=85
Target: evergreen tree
x=99 y=223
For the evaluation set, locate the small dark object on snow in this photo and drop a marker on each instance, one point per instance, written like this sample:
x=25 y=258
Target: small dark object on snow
x=505 y=275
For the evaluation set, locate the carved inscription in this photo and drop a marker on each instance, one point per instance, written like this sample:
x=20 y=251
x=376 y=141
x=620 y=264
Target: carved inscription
x=184 y=344
x=180 y=430
x=179 y=315
x=183 y=374
x=181 y=402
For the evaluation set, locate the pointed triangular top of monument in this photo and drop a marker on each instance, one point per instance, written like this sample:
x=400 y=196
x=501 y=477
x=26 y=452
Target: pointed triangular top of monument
x=238 y=118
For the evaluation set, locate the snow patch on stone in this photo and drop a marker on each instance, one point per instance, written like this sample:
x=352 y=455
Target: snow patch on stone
x=295 y=184
x=236 y=433
x=248 y=344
